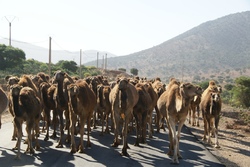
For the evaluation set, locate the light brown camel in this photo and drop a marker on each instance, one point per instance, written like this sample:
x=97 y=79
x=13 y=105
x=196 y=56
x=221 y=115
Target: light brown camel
x=159 y=88
x=123 y=98
x=4 y=103
x=194 y=111
x=173 y=105
x=82 y=102
x=26 y=107
x=211 y=107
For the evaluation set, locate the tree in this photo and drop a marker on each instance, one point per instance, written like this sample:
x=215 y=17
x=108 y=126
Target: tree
x=11 y=57
x=241 y=91
x=122 y=69
x=134 y=71
x=69 y=66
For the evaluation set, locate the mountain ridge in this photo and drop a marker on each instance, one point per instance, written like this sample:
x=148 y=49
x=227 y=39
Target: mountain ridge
x=212 y=47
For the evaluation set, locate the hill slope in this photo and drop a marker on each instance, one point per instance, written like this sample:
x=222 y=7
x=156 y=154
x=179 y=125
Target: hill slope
x=212 y=47
x=42 y=54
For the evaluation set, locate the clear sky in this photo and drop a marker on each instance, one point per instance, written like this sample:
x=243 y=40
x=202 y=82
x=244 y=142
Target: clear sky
x=120 y=27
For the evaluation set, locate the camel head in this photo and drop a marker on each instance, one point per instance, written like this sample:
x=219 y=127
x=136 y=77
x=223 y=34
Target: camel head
x=123 y=83
x=73 y=90
x=15 y=89
x=59 y=76
x=215 y=96
x=11 y=80
x=190 y=90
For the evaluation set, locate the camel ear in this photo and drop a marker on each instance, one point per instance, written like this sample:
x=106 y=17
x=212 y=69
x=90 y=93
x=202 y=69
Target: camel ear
x=118 y=80
x=7 y=77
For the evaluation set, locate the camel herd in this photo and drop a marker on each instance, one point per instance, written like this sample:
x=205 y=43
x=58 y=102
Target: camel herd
x=72 y=103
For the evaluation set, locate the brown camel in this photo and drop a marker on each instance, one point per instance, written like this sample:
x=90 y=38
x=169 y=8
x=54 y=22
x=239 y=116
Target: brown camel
x=23 y=81
x=26 y=107
x=151 y=107
x=82 y=102
x=140 y=112
x=4 y=103
x=123 y=98
x=173 y=105
x=47 y=91
x=61 y=101
x=104 y=105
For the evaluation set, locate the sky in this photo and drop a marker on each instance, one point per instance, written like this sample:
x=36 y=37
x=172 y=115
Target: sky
x=120 y=27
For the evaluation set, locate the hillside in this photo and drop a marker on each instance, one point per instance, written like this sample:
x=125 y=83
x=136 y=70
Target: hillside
x=220 y=47
x=42 y=54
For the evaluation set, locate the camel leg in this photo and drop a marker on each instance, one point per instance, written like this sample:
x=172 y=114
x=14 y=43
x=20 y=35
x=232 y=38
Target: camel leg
x=198 y=116
x=47 y=117
x=137 y=130
x=150 y=126
x=80 y=145
x=175 y=144
x=60 y=145
x=88 y=131
x=29 y=127
x=18 y=126
x=216 y=131
x=144 y=126
x=124 y=136
x=107 y=124
x=116 y=120
x=180 y=125
x=102 y=117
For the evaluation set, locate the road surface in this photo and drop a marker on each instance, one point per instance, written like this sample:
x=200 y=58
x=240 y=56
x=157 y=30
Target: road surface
x=102 y=154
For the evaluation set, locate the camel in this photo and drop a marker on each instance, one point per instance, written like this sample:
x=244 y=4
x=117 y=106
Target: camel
x=47 y=91
x=123 y=97
x=173 y=105
x=82 y=102
x=193 y=119
x=211 y=107
x=23 y=81
x=159 y=88
x=103 y=105
x=141 y=111
x=61 y=101
x=151 y=107
x=26 y=108
x=4 y=103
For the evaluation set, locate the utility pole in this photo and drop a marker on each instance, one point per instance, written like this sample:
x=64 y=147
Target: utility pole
x=80 y=64
x=50 y=56
x=106 y=61
x=103 y=62
x=97 y=60
x=10 y=28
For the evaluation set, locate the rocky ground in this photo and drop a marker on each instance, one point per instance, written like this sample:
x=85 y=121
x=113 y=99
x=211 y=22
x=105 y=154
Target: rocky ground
x=234 y=137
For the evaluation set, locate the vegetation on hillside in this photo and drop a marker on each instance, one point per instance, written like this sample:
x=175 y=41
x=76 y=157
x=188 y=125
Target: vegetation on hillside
x=218 y=48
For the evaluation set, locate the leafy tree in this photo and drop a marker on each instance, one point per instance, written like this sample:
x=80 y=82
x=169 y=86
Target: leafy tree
x=228 y=86
x=204 y=84
x=134 y=71
x=32 y=66
x=122 y=69
x=69 y=66
x=241 y=92
x=11 y=57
